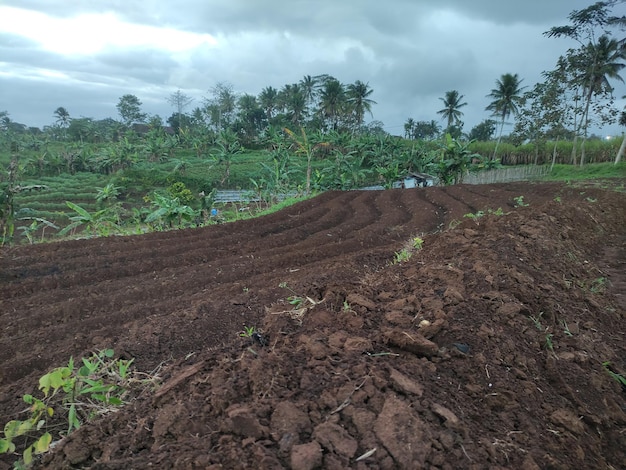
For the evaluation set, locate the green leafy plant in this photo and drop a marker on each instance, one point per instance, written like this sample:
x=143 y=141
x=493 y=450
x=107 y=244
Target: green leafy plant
x=410 y=247
x=247 y=332
x=519 y=201
x=72 y=395
x=417 y=243
x=402 y=256
x=300 y=303
x=476 y=215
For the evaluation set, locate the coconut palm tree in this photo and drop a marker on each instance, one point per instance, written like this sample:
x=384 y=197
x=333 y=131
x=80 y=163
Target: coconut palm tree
x=622 y=148
x=358 y=98
x=332 y=101
x=506 y=98
x=63 y=119
x=268 y=98
x=409 y=126
x=309 y=86
x=452 y=105
x=600 y=62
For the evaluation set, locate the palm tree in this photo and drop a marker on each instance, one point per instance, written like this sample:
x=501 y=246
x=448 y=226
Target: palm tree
x=409 y=125
x=332 y=101
x=63 y=119
x=63 y=116
x=600 y=62
x=622 y=148
x=452 y=104
x=358 y=98
x=309 y=87
x=506 y=98
x=268 y=98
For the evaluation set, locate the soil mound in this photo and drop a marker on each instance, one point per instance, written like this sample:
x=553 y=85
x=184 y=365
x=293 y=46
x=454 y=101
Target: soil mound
x=482 y=347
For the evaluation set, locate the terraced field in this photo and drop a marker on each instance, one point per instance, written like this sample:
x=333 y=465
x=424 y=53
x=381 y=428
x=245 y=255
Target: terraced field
x=434 y=362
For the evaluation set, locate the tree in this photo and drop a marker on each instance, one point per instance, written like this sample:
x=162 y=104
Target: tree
x=179 y=101
x=305 y=146
x=309 y=87
x=268 y=99
x=222 y=105
x=409 y=125
x=426 y=130
x=227 y=147
x=250 y=118
x=598 y=59
x=506 y=97
x=129 y=109
x=293 y=103
x=332 y=101
x=452 y=105
x=63 y=117
x=622 y=147
x=358 y=99
x=484 y=131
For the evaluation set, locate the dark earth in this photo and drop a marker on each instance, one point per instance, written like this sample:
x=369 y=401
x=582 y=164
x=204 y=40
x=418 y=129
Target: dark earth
x=484 y=350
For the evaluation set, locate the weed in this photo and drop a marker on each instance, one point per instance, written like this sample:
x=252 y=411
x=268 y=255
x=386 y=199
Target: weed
x=402 y=256
x=72 y=394
x=619 y=377
x=405 y=254
x=537 y=321
x=598 y=285
x=519 y=201
x=479 y=214
x=247 y=332
x=591 y=199
x=454 y=224
x=300 y=303
x=476 y=215
x=347 y=308
x=417 y=243
x=557 y=199
x=252 y=333
x=566 y=328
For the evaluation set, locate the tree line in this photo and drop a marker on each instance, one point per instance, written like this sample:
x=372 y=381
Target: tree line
x=574 y=96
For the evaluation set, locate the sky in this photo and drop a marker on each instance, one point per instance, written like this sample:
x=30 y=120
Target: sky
x=85 y=54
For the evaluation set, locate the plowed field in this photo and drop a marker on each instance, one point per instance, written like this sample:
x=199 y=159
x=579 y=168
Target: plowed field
x=484 y=349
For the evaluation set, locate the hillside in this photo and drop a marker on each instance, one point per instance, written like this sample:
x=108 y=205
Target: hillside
x=484 y=349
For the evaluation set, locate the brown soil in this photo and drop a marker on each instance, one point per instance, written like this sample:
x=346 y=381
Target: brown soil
x=430 y=363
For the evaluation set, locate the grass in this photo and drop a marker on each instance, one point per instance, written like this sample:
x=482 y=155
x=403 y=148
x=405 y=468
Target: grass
x=590 y=171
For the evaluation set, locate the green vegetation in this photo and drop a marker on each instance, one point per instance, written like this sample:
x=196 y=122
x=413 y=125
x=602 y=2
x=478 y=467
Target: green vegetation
x=84 y=177
x=248 y=332
x=72 y=395
x=405 y=254
x=587 y=172
x=519 y=201
x=616 y=376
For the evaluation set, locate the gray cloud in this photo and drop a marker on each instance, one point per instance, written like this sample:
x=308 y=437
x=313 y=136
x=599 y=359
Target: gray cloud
x=410 y=52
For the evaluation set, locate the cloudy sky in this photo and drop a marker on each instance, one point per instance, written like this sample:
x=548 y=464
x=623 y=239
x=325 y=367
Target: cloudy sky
x=85 y=54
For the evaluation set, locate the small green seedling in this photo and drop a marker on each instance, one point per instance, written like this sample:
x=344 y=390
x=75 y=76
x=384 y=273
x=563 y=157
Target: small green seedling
x=418 y=243
x=566 y=328
x=247 y=332
x=402 y=256
x=519 y=201
x=619 y=377
x=476 y=215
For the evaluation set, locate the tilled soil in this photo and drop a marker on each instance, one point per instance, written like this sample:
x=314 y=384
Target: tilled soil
x=485 y=349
